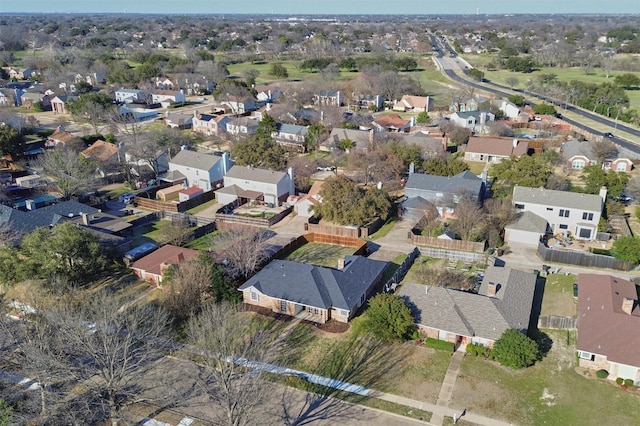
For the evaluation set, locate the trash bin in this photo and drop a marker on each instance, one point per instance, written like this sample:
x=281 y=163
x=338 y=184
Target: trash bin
x=499 y=252
x=575 y=290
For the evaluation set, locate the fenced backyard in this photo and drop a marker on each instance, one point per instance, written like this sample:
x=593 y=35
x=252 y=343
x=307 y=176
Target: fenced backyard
x=581 y=258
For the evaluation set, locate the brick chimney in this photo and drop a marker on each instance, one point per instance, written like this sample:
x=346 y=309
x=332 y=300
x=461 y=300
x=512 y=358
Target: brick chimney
x=492 y=289
x=341 y=263
x=627 y=305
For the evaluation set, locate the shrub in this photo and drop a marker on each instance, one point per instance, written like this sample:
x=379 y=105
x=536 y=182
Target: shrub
x=439 y=344
x=45 y=133
x=602 y=374
x=514 y=349
x=477 y=350
x=628 y=382
x=619 y=381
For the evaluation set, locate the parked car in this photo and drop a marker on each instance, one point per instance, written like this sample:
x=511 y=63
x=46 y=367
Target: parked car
x=624 y=198
x=126 y=198
x=326 y=168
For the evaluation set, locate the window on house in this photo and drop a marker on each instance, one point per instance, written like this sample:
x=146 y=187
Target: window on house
x=586 y=355
x=564 y=227
x=283 y=306
x=563 y=213
x=577 y=164
x=587 y=216
x=315 y=311
x=519 y=206
x=344 y=313
x=585 y=233
x=621 y=167
x=255 y=296
x=550 y=209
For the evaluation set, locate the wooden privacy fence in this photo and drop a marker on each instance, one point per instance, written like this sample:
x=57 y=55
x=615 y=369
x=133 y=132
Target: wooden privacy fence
x=562 y=323
x=459 y=245
x=399 y=274
x=259 y=222
x=345 y=231
x=574 y=257
x=360 y=247
x=148 y=201
x=455 y=255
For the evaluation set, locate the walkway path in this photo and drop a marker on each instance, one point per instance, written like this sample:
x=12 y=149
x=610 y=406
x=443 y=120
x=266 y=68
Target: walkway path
x=446 y=390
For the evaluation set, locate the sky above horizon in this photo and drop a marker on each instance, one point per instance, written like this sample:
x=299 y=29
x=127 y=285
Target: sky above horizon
x=292 y=7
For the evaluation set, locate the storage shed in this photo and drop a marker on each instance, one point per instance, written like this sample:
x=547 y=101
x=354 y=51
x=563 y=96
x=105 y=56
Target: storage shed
x=189 y=193
x=170 y=193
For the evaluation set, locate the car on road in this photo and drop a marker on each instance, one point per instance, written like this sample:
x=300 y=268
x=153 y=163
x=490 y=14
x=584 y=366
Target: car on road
x=126 y=198
x=326 y=168
x=609 y=134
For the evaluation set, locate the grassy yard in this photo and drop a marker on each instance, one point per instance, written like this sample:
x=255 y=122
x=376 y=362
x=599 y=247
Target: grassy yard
x=549 y=393
x=203 y=206
x=384 y=229
x=153 y=232
x=202 y=243
x=558 y=296
x=320 y=254
x=476 y=167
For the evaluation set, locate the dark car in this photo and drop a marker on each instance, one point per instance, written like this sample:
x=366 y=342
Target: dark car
x=609 y=134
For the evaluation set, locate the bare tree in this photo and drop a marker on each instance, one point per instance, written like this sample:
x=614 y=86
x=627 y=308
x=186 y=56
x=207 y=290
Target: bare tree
x=603 y=149
x=73 y=174
x=304 y=167
x=242 y=250
x=469 y=216
x=227 y=343
x=187 y=284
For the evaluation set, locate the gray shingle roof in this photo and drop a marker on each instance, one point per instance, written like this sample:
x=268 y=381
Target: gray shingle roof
x=25 y=222
x=573 y=147
x=530 y=222
x=256 y=175
x=471 y=314
x=317 y=286
x=194 y=159
x=466 y=182
x=291 y=129
x=553 y=198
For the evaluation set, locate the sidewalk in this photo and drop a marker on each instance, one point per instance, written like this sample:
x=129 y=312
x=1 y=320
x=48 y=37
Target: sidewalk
x=449 y=381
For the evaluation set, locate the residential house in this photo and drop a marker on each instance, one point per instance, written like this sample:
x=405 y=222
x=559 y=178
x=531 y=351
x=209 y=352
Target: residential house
x=291 y=136
x=494 y=150
x=608 y=324
x=504 y=301
x=528 y=228
x=315 y=293
x=303 y=205
x=567 y=213
x=127 y=96
x=431 y=146
x=392 y=123
x=241 y=104
x=59 y=103
x=250 y=184
x=329 y=98
x=510 y=110
x=178 y=120
x=268 y=93
x=414 y=104
x=362 y=139
x=62 y=137
x=107 y=155
x=22 y=73
x=93 y=79
x=444 y=192
x=578 y=155
x=6 y=97
x=29 y=99
x=372 y=102
x=470 y=104
x=163 y=83
x=242 y=126
x=476 y=121
x=198 y=169
x=20 y=222
x=168 y=97
x=154 y=266
x=209 y=124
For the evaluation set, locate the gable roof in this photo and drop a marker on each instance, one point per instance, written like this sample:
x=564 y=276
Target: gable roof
x=317 y=286
x=100 y=150
x=497 y=146
x=391 y=120
x=197 y=160
x=574 y=148
x=550 y=197
x=530 y=222
x=24 y=222
x=255 y=174
x=603 y=328
x=291 y=129
x=359 y=137
x=472 y=314
x=414 y=101
x=450 y=184
x=169 y=254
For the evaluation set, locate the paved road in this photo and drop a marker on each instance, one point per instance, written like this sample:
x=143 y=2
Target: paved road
x=453 y=66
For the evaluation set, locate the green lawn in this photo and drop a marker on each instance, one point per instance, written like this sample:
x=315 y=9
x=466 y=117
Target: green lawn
x=549 y=393
x=201 y=207
x=153 y=232
x=598 y=76
x=320 y=254
x=384 y=229
x=558 y=296
x=202 y=243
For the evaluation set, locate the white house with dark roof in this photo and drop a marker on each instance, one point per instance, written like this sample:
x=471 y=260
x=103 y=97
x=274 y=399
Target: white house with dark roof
x=476 y=121
x=504 y=301
x=126 y=96
x=528 y=228
x=199 y=169
x=566 y=212
x=314 y=292
x=256 y=185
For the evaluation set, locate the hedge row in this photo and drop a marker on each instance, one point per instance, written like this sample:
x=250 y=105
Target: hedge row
x=439 y=344
x=477 y=350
